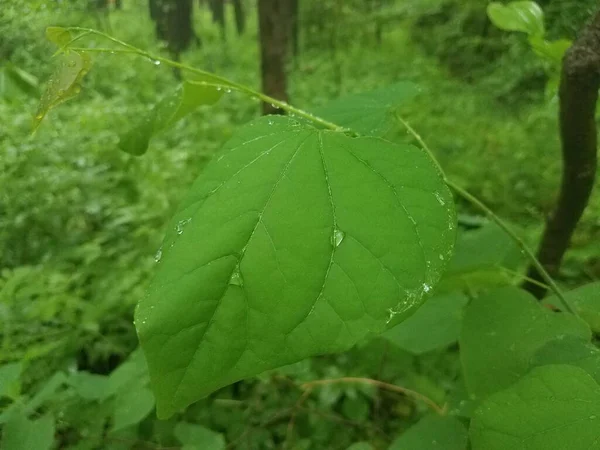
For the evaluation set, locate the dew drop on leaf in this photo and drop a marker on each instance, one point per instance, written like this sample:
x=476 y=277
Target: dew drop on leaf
x=236 y=278
x=337 y=238
x=181 y=224
x=158 y=255
x=440 y=199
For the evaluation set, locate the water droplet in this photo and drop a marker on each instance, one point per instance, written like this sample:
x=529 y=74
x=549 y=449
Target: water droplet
x=440 y=199
x=426 y=287
x=441 y=257
x=219 y=88
x=228 y=91
x=156 y=62
x=158 y=255
x=181 y=224
x=270 y=122
x=592 y=417
x=236 y=278
x=337 y=238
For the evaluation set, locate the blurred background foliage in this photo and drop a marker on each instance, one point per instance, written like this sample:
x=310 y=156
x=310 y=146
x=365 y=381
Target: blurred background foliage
x=81 y=221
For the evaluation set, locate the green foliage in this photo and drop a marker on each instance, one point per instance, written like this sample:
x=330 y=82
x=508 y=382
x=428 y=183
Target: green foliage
x=525 y=16
x=432 y=432
x=586 y=300
x=249 y=243
x=502 y=331
x=553 y=407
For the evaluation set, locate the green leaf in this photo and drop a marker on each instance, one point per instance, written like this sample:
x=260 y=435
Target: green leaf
x=552 y=51
x=572 y=351
x=586 y=300
x=132 y=406
x=10 y=383
x=502 y=331
x=181 y=102
x=59 y=36
x=435 y=325
x=523 y=16
x=197 y=437
x=368 y=113
x=432 y=433
x=361 y=446
x=47 y=392
x=23 y=80
x=551 y=408
x=90 y=386
x=64 y=84
x=20 y=433
x=134 y=371
x=294 y=242
x=356 y=408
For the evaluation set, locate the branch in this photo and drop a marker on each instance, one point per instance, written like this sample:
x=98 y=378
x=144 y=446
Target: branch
x=580 y=81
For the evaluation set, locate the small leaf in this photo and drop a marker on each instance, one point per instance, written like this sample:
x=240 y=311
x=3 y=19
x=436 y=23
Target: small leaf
x=502 y=331
x=551 y=51
x=251 y=277
x=523 y=16
x=185 y=99
x=134 y=371
x=435 y=325
x=197 y=437
x=20 y=433
x=10 y=383
x=432 y=433
x=368 y=113
x=132 y=406
x=64 y=84
x=90 y=386
x=552 y=408
x=586 y=300
x=572 y=351
x=59 y=36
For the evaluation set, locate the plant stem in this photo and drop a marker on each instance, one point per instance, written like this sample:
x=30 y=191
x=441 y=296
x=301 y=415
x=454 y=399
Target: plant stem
x=492 y=216
x=226 y=83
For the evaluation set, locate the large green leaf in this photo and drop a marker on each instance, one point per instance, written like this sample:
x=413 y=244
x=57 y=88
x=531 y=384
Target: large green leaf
x=552 y=408
x=586 y=300
x=197 y=437
x=294 y=242
x=433 y=432
x=572 y=351
x=525 y=16
x=502 y=331
x=368 y=113
x=20 y=433
x=132 y=406
x=435 y=325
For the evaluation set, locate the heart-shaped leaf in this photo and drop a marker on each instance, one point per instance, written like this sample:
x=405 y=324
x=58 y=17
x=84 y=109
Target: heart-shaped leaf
x=294 y=242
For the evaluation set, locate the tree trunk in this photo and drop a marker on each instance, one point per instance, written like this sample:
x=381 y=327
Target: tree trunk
x=295 y=28
x=578 y=93
x=274 y=19
x=217 y=7
x=240 y=16
x=173 y=19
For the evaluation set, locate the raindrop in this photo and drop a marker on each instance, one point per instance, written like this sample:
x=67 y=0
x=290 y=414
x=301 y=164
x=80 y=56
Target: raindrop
x=440 y=199
x=219 y=88
x=441 y=257
x=156 y=62
x=592 y=417
x=270 y=122
x=337 y=238
x=236 y=278
x=181 y=224
x=426 y=287
x=228 y=91
x=158 y=255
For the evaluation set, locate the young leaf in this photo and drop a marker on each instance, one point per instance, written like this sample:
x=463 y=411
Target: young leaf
x=197 y=437
x=572 y=351
x=59 y=36
x=552 y=408
x=294 y=242
x=368 y=113
x=435 y=325
x=181 y=102
x=586 y=300
x=432 y=433
x=551 y=51
x=64 y=84
x=525 y=16
x=132 y=406
x=20 y=433
x=502 y=331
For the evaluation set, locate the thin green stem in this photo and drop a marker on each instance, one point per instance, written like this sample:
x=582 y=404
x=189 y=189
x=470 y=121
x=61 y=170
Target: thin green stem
x=220 y=81
x=492 y=216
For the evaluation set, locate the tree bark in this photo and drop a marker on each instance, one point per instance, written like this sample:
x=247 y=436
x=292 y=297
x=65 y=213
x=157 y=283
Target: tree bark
x=240 y=16
x=274 y=18
x=217 y=8
x=578 y=93
x=295 y=27
x=173 y=19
